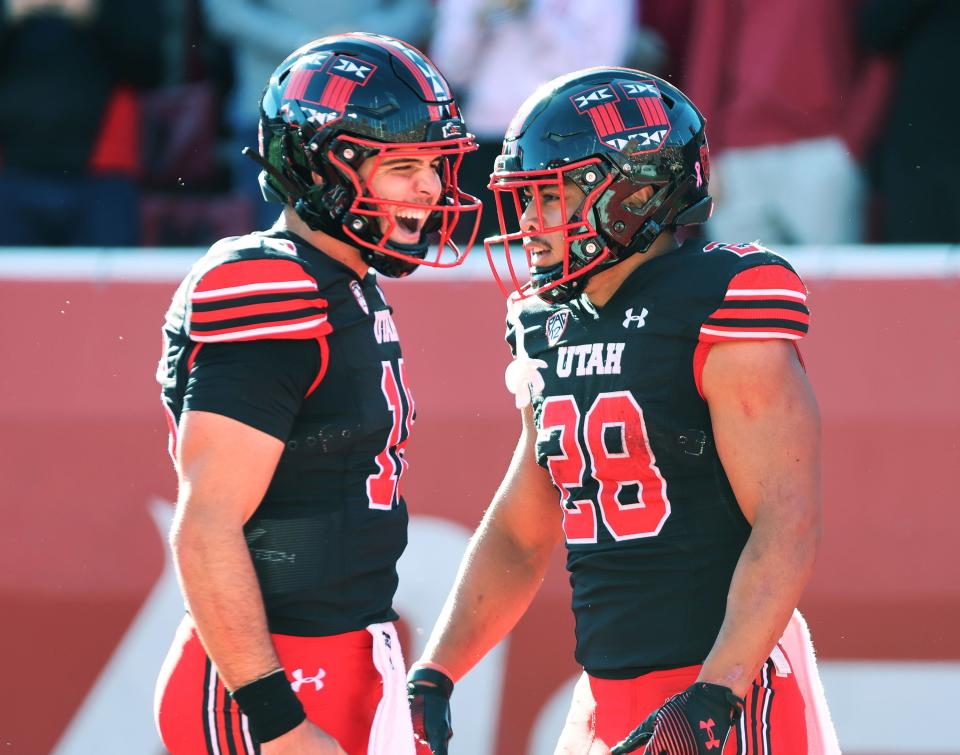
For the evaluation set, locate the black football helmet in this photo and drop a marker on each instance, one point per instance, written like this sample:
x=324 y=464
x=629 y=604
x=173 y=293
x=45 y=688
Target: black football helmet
x=341 y=100
x=611 y=131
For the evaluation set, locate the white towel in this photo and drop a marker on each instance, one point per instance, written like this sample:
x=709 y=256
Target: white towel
x=798 y=647
x=392 y=729
x=522 y=376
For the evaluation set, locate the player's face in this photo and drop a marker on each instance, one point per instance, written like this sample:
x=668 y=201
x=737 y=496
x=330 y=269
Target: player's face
x=546 y=249
x=411 y=179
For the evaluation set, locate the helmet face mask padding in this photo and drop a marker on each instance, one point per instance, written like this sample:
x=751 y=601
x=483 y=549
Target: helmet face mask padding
x=612 y=131
x=340 y=101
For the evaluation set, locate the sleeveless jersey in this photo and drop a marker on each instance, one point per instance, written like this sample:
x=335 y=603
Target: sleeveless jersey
x=327 y=535
x=653 y=529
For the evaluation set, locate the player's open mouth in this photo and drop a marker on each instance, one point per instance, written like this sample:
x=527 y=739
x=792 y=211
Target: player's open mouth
x=538 y=253
x=410 y=220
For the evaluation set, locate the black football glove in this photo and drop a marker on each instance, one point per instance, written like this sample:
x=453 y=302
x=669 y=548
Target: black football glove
x=696 y=721
x=429 y=693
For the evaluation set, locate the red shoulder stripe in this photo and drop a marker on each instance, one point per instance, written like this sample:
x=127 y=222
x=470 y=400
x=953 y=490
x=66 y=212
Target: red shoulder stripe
x=767 y=282
x=767 y=301
x=254 y=299
x=291 y=304
x=247 y=277
x=301 y=328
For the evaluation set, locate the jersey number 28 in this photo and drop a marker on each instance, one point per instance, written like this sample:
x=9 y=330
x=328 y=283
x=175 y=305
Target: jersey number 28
x=630 y=463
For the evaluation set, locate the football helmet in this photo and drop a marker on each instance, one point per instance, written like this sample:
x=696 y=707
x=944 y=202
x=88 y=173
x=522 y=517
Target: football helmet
x=611 y=131
x=341 y=100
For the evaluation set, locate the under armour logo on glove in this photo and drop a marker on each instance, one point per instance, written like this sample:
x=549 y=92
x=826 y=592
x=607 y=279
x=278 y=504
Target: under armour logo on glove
x=669 y=730
x=299 y=679
x=712 y=741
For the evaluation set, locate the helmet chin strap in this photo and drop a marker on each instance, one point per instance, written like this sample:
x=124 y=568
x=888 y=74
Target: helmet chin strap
x=416 y=249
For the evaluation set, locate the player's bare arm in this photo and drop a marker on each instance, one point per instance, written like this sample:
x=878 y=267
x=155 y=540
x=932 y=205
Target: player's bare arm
x=767 y=429
x=504 y=564
x=224 y=468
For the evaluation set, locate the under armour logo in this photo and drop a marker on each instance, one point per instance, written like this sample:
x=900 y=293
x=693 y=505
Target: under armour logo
x=712 y=741
x=631 y=319
x=299 y=679
x=388 y=643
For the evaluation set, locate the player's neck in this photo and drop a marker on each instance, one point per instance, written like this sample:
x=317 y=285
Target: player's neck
x=604 y=285
x=344 y=253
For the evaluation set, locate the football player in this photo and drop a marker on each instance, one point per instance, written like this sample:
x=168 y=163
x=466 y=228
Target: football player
x=289 y=408
x=669 y=437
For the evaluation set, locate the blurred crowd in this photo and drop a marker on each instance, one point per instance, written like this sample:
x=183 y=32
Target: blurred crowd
x=830 y=121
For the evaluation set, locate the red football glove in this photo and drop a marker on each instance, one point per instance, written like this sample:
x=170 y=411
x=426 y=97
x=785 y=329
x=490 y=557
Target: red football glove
x=695 y=722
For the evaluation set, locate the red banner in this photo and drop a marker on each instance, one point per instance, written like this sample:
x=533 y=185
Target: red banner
x=87 y=484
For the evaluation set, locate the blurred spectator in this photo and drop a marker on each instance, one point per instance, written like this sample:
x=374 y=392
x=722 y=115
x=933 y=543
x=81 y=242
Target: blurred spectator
x=263 y=32
x=496 y=52
x=670 y=24
x=69 y=118
x=789 y=102
x=917 y=161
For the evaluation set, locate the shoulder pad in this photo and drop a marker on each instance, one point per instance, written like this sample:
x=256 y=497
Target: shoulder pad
x=245 y=292
x=764 y=298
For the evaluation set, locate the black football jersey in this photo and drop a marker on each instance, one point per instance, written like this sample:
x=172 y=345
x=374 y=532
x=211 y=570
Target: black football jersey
x=272 y=332
x=652 y=527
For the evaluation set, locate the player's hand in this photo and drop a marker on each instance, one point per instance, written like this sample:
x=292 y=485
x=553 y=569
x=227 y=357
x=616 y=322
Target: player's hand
x=304 y=739
x=695 y=721
x=429 y=693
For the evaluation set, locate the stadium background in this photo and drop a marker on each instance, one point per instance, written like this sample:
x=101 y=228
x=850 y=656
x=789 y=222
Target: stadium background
x=86 y=586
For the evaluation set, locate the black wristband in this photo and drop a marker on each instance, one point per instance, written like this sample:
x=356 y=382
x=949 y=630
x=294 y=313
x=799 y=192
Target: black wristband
x=437 y=678
x=271 y=706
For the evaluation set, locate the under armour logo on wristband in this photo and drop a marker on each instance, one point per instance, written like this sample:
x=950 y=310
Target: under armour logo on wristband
x=299 y=679
x=712 y=741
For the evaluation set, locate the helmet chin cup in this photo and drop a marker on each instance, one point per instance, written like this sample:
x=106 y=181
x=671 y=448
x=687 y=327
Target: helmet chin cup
x=401 y=262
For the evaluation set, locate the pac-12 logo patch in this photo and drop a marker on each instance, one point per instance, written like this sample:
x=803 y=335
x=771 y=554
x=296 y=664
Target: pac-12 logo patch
x=556 y=324
x=358 y=295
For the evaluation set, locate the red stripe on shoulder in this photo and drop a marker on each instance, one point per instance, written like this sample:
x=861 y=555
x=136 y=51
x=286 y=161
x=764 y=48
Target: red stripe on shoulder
x=304 y=328
x=252 y=276
x=716 y=333
x=246 y=300
x=763 y=302
x=767 y=281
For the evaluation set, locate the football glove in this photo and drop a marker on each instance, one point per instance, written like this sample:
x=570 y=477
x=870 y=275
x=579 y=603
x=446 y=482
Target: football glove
x=695 y=722
x=429 y=693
